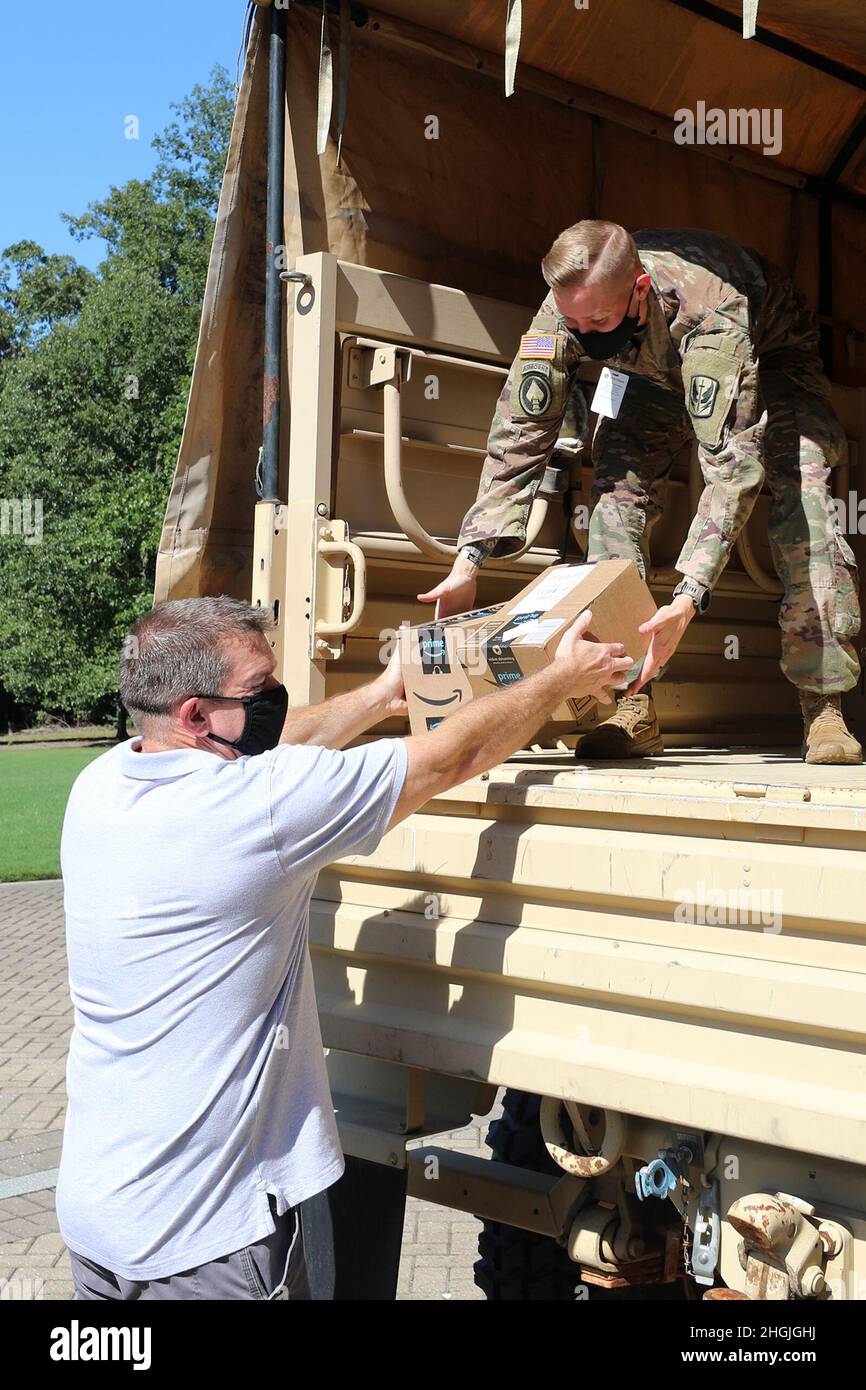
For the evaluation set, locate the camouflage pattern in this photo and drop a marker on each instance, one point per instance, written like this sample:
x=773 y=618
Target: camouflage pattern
x=519 y=448
x=820 y=613
x=715 y=309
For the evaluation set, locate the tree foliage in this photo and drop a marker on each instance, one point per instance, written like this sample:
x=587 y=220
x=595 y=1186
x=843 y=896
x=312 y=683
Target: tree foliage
x=36 y=291
x=94 y=374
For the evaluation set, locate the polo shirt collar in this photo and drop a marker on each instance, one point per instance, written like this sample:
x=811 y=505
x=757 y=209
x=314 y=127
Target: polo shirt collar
x=155 y=767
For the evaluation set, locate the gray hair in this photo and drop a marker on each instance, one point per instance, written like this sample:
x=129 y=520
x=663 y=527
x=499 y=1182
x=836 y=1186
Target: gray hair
x=179 y=649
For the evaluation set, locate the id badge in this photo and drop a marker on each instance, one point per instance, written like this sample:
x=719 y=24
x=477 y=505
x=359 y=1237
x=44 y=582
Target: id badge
x=609 y=393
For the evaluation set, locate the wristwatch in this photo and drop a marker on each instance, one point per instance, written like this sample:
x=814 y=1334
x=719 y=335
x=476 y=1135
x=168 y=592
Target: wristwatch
x=477 y=551
x=699 y=596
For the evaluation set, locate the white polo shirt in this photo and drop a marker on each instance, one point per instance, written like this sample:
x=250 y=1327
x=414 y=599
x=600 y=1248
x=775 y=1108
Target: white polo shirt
x=196 y=1076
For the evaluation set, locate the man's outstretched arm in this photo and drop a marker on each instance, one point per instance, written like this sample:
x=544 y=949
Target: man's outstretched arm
x=489 y=730
x=337 y=721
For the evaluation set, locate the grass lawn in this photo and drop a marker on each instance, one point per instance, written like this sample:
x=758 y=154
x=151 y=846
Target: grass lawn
x=34 y=785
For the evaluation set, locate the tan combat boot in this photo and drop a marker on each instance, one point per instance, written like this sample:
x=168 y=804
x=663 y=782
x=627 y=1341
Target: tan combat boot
x=633 y=732
x=826 y=739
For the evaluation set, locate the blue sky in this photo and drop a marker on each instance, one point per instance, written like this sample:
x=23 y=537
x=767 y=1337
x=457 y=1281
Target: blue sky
x=69 y=75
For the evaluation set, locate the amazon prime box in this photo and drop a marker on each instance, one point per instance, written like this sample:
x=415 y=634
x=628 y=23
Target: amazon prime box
x=489 y=649
x=434 y=679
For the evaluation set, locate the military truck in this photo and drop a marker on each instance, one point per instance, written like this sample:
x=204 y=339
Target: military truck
x=662 y=962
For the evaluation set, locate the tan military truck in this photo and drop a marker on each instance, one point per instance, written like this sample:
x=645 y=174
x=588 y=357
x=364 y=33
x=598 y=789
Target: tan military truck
x=663 y=962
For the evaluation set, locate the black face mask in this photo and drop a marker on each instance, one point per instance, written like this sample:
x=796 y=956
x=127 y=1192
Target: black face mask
x=263 y=724
x=599 y=346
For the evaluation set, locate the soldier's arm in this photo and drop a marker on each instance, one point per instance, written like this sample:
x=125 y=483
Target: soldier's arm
x=720 y=378
x=525 y=428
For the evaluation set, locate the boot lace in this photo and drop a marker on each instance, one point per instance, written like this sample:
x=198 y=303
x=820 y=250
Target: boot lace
x=824 y=707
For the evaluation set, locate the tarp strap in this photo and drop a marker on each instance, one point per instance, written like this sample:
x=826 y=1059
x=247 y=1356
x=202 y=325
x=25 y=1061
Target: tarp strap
x=326 y=84
x=513 y=27
x=343 y=74
x=750 y=18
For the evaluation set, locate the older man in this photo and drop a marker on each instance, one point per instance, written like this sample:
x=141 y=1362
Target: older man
x=199 y=1112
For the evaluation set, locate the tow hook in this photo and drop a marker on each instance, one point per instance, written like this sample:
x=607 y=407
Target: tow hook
x=785 y=1247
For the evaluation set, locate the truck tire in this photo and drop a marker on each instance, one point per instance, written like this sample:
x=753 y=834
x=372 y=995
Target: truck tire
x=517 y=1264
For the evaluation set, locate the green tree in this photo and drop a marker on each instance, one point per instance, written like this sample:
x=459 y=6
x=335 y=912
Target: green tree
x=92 y=398
x=36 y=291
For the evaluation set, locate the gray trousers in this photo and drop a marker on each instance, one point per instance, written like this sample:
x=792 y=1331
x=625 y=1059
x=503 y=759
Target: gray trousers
x=273 y=1268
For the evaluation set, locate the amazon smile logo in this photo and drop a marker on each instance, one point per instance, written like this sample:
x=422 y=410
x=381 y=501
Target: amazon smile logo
x=425 y=699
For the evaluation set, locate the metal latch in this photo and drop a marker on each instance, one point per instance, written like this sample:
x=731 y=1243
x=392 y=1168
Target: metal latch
x=708 y=1226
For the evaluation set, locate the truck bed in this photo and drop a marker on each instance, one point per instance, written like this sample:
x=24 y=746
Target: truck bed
x=680 y=938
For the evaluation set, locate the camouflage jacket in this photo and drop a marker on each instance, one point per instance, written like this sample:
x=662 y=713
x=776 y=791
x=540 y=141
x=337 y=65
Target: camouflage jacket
x=714 y=309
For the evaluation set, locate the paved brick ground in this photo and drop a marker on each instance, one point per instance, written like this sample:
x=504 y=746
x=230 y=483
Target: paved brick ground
x=439 y=1246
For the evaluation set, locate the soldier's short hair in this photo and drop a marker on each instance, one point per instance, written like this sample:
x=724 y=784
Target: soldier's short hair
x=179 y=648
x=591 y=253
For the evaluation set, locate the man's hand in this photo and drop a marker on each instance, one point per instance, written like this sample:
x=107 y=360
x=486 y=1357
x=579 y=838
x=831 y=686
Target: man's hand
x=388 y=686
x=456 y=593
x=596 y=667
x=666 y=628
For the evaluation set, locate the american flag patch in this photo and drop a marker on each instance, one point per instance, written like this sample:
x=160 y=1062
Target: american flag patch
x=538 y=345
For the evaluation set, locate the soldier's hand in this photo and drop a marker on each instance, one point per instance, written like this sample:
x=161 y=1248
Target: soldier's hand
x=595 y=667
x=666 y=628
x=456 y=593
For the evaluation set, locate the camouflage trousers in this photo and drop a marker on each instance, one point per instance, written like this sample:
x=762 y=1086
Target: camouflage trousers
x=801 y=440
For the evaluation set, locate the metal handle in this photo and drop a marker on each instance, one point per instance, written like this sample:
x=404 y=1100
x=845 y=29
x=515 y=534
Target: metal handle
x=359 y=587
x=403 y=514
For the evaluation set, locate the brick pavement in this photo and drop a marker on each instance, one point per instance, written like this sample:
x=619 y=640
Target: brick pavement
x=439 y=1245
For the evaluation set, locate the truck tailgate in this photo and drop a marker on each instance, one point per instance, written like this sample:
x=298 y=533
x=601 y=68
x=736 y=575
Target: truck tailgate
x=683 y=939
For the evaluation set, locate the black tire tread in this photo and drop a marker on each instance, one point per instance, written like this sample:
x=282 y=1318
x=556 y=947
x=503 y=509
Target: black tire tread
x=516 y=1264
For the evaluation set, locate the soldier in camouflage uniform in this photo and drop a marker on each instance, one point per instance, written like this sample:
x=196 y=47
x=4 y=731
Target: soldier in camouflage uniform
x=715 y=343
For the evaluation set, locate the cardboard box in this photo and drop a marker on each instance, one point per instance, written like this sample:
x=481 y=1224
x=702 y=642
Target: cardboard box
x=445 y=664
x=433 y=676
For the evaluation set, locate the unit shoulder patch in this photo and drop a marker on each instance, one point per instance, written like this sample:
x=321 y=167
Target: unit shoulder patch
x=702 y=396
x=711 y=378
x=534 y=394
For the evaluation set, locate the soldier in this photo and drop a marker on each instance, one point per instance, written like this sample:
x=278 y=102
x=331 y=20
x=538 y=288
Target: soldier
x=703 y=338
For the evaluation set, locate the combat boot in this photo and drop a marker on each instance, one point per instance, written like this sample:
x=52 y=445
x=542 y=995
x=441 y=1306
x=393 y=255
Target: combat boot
x=632 y=732
x=826 y=739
